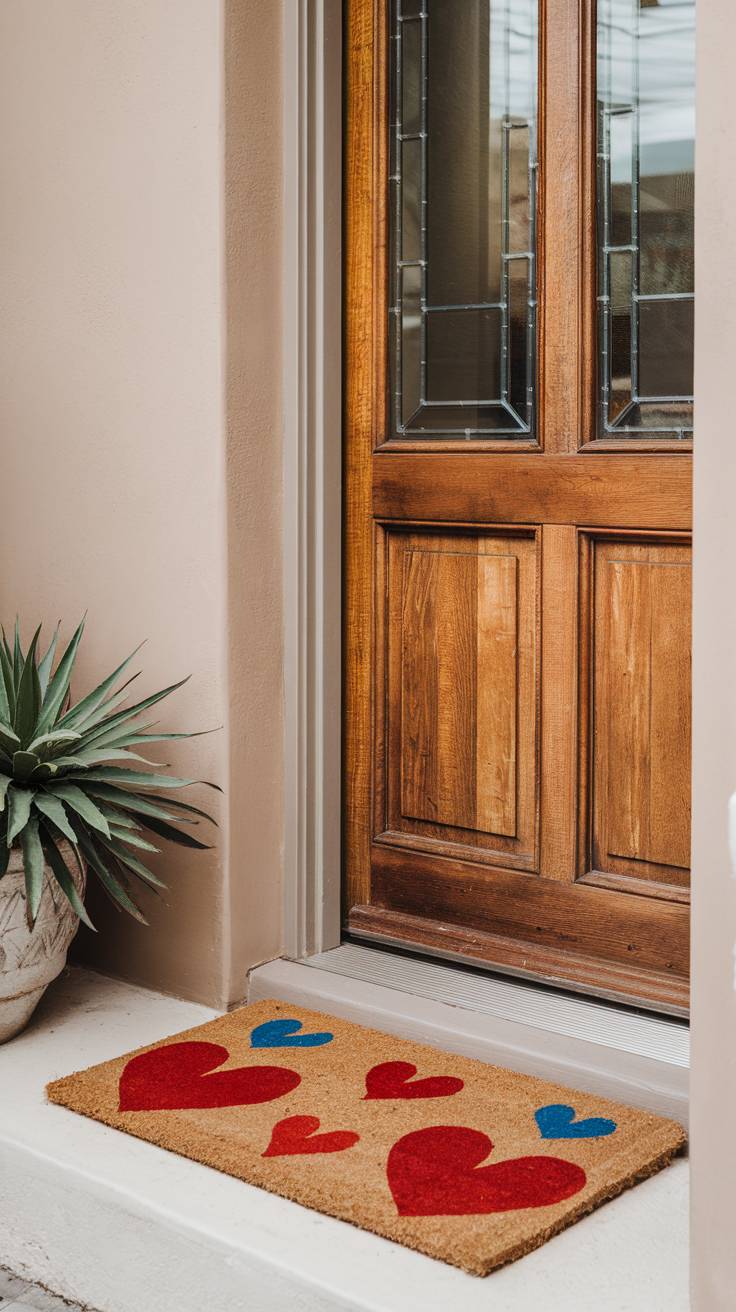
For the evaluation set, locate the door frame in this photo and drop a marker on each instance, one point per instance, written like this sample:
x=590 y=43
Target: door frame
x=312 y=473
x=313 y=457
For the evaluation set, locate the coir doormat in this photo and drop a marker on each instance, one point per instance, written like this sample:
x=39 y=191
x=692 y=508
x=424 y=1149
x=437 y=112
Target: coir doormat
x=469 y=1163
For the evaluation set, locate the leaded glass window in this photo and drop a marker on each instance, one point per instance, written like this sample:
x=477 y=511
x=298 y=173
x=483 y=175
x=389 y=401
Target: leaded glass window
x=646 y=112
x=463 y=163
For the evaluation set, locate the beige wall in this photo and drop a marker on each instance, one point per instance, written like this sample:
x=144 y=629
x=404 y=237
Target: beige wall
x=140 y=476
x=713 y=1085
x=140 y=412
x=253 y=202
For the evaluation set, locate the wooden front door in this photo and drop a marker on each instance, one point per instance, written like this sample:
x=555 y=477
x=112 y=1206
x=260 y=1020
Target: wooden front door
x=518 y=427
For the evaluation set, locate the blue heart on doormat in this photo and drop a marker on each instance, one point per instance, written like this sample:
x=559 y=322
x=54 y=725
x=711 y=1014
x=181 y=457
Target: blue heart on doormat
x=557 y=1121
x=283 y=1034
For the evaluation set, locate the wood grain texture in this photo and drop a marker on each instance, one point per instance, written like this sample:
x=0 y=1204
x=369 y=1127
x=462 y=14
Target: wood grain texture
x=452 y=652
x=657 y=989
x=497 y=689
x=458 y=719
x=641 y=710
x=560 y=226
x=459 y=690
x=419 y=691
x=364 y=361
x=638 y=932
x=559 y=773
x=587 y=161
x=626 y=491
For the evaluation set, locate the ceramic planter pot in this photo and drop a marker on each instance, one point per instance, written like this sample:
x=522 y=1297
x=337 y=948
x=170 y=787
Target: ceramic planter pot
x=31 y=958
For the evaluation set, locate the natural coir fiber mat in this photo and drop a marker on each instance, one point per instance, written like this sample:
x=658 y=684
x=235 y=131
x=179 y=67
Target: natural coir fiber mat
x=470 y=1163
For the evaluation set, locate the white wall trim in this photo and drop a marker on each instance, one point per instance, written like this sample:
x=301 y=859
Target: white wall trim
x=312 y=128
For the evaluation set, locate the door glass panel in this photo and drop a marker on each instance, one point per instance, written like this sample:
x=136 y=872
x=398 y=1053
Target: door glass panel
x=462 y=218
x=646 y=137
x=411 y=278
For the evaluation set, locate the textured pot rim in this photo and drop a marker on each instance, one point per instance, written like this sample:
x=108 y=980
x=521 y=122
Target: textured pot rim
x=37 y=955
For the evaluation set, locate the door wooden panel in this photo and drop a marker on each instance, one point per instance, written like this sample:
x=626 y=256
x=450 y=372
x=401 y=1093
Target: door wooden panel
x=517 y=607
x=457 y=747
x=459 y=625
x=641 y=711
x=641 y=934
x=616 y=491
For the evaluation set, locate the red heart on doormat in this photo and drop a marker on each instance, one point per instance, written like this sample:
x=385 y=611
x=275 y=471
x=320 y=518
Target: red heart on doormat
x=177 y=1076
x=436 y=1172
x=391 y=1080
x=296 y=1135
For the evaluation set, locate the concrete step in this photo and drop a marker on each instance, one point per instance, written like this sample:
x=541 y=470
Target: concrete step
x=122 y=1226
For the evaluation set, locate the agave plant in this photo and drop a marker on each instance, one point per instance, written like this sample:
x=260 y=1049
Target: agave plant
x=57 y=780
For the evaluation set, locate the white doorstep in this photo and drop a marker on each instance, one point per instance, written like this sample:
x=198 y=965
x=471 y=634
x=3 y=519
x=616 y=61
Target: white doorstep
x=108 y=1220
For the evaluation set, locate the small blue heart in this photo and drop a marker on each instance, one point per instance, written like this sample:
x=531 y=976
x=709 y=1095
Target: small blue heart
x=558 y=1122
x=283 y=1034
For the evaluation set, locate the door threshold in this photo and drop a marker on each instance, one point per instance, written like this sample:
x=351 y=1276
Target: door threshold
x=616 y=1052
x=570 y=972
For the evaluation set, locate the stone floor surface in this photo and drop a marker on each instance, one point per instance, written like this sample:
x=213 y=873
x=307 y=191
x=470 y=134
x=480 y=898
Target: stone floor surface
x=17 y=1294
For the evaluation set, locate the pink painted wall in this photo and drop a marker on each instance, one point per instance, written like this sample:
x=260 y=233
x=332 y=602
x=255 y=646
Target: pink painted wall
x=141 y=414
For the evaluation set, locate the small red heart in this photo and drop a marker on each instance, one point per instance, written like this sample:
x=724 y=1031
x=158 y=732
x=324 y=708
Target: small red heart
x=391 y=1080
x=176 y=1077
x=296 y=1135
x=436 y=1172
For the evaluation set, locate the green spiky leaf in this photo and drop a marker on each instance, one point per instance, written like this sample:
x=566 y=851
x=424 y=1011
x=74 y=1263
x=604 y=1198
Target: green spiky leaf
x=61 y=763
x=132 y=712
x=133 y=736
x=132 y=864
x=140 y=803
x=126 y=835
x=47 y=741
x=46 y=770
x=108 y=879
x=33 y=868
x=5 y=712
x=46 y=662
x=8 y=682
x=19 y=809
x=91 y=758
x=117 y=774
x=53 y=808
x=59 y=684
x=9 y=741
x=63 y=876
x=78 y=801
x=17 y=653
x=69 y=770
x=118 y=819
x=28 y=694
x=176 y=804
x=174 y=835
x=94 y=699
